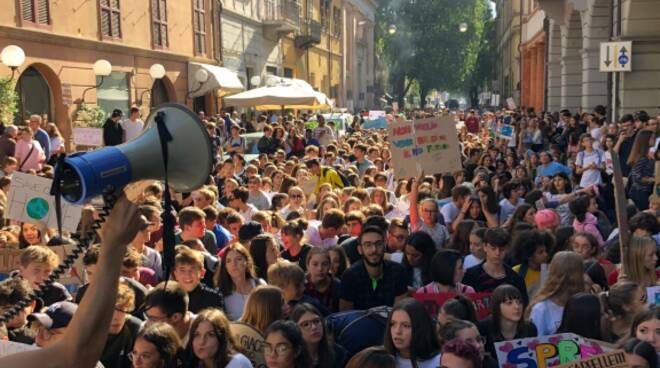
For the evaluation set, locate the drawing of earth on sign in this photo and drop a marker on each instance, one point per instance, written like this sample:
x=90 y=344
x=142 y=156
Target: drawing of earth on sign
x=37 y=208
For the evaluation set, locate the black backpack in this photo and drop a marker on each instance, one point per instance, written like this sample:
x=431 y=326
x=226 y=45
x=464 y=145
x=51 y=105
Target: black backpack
x=341 y=175
x=356 y=330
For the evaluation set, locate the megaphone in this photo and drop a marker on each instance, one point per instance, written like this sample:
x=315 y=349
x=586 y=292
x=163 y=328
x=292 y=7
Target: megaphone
x=190 y=158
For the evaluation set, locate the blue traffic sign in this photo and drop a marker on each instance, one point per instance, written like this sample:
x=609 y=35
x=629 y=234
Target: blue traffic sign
x=623 y=60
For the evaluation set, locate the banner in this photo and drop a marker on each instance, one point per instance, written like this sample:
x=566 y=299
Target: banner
x=88 y=137
x=252 y=342
x=429 y=145
x=615 y=359
x=30 y=201
x=432 y=302
x=10 y=260
x=547 y=351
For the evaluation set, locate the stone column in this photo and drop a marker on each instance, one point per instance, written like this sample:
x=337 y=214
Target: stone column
x=554 y=68
x=571 y=63
x=532 y=77
x=596 y=30
x=639 y=89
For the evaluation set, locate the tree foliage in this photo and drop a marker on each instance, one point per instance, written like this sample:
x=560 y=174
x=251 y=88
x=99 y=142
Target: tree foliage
x=8 y=100
x=427 y=45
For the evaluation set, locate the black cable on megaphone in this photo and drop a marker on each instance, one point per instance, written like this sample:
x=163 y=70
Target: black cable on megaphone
x=169 y=220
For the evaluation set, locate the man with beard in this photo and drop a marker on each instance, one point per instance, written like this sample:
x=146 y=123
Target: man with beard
x=373 y=281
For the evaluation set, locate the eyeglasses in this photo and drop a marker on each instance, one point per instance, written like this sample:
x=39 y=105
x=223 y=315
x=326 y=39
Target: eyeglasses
x=429 y=210
x=310 y=323
x=296 y=196
x=141 y=357
x=373 y=245
x=152 y=318
x=277 y=349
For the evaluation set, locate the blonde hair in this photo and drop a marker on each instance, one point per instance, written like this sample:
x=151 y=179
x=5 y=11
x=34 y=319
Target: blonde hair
x=638 y=247
x=188 y=256
x=263 y=307
x=565 y=278
x=282 y=273
x=125 y=297
x=39 y=254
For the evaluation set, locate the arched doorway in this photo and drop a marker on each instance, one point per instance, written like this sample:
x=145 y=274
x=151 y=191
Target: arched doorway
x=159 y=93
x=34 y=96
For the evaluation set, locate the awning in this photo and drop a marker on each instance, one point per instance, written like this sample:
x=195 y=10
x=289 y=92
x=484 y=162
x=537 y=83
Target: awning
x=221 y=79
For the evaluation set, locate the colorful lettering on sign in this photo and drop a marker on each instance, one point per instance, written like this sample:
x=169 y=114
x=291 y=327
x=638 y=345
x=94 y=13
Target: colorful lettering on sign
x=402 y=130
x=426 y=126
x=402 y=143
x=547 y=351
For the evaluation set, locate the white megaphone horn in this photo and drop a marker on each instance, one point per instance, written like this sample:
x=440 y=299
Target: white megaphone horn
x=190 y=159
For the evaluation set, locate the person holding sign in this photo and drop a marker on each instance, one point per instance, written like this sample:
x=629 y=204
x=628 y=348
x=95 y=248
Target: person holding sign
x=428 y=221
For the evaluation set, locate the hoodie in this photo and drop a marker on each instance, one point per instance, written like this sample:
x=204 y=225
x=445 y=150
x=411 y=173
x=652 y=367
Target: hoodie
x=589 y=225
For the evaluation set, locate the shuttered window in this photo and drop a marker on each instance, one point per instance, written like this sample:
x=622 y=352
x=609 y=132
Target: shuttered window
x=110 y=19
x=159 y=26
x=35 y=11
x=199 y=26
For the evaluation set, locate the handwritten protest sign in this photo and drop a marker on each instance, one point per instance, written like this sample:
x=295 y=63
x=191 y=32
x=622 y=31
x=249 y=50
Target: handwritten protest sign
x=615 y=359
x=547 y=351
x=429 y=145
x=10 y=260
x=252 y=342
x=653 y=295
x=30 y=201
x=88 y=136
x=432 y=302
x=510 y=103
x=375 y=114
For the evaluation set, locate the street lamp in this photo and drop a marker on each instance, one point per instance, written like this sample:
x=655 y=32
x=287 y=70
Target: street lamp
x=156 y=71
x=391 y=29
x=463 y=27
x=13 y=57
x=102 y=68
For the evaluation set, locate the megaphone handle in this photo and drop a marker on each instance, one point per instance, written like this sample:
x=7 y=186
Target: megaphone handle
x=56 y=191
x=169 y=221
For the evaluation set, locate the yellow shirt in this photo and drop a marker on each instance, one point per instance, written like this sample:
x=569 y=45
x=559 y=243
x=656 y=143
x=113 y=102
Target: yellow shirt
x=329 y=175
x=532 y=279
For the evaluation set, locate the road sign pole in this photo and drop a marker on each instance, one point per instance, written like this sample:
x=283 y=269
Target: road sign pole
x=615 y=85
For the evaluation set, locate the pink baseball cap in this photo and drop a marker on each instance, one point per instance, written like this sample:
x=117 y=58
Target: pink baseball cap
x=546 y=219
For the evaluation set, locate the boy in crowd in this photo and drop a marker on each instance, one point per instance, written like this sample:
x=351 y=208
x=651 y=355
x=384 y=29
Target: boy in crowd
x=123 y=329
x=222 y=235
x=239 y=201
x=493 y=272
x=9 y=165
x=170 y=305
x=52 y=323
x=37 y=262
x=12 y=291
x=193 y=226
x=326 y=234
x=290 y=277
x=188 y=272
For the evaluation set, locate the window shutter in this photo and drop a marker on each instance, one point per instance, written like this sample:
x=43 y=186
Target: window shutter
x=105 y=22
x=43 y=16
x=116 y=30
x=28 y=10
x=163 y=35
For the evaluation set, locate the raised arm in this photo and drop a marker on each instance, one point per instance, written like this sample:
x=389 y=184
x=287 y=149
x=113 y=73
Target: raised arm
x=412 y=199
x=86 y=335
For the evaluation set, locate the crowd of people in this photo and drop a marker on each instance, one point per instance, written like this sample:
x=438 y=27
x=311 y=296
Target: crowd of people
x=319 y=230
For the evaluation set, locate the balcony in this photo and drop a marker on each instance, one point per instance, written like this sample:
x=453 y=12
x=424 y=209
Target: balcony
x=310 y=35
x=280 y=17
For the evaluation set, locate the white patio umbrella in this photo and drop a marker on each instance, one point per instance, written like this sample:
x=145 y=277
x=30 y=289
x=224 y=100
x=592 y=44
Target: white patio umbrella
x=282 y=94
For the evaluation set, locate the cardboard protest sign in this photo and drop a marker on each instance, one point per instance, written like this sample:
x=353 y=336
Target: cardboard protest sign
x=30 y=201
x=432 y=302
x=653 y=295
x=10 y=259
x=547 y=351
x=506 y=132
x=252 y=342
x=615 y=359
x=510 y=103
x=88 y=136
x=375 y=114
x=429 y=145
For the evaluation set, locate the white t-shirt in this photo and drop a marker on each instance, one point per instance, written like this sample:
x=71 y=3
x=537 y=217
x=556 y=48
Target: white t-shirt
x=249 y=212
x=590 y=176
x=471 y=260
x=235 y=302
x=132 y=128
x=313 y=236
x=546 y=316
x=449 y=211
x=239 y=361
x=429 y=363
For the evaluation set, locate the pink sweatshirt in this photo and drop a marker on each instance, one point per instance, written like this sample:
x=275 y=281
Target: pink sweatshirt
x=36 y=159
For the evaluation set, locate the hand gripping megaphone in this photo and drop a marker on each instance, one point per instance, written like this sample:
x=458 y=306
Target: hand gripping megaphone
x=189 y=158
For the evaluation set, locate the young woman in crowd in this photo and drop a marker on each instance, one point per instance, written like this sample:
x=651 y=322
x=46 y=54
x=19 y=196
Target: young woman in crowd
x=31 y=234
x=211 y=343
x=530 y=248
x=640 y=260
x=419 y=251
x=428 y=220
x=285 y=346
x=524 y=213
x=642 y=170
x=338 y=261
x=586 y=245
x=446 y=273
x=621 y=303
x=297 y=201
x=156 y=346
x=264 y=252
x=583 y=316
x=236 y=278
x=468 y=332
x=458 y=307
x=477 y=254
x=589 y=162
x=565 y=278
x=584 y=221
x=264 y=306
x=323 y=351
x=295 y=250
x=319 y=281
x=460 y=239
x=506 y=321
x=640 y=354
x=646 y=327
x=410 y=337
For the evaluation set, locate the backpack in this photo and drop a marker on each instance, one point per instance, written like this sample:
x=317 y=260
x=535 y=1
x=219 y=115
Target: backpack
x=358 y=329
x=341 y=175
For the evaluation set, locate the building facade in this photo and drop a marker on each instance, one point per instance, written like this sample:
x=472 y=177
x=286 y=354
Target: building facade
x=358 y=63
x=533 y=48
x=62 y=43
x=508 y=70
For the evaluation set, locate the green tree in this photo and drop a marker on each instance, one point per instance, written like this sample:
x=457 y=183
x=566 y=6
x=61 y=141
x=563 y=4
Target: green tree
x=427 y=45
x=8 y=100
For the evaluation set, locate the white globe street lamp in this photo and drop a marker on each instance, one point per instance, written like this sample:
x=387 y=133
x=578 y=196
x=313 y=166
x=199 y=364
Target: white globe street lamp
x=157 y=71
x=463 y=27
x=13 y=57
x=391 y=29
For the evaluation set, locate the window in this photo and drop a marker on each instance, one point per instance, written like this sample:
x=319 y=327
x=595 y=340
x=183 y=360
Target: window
x=217 y=30
x=336 y=18
x=35 y=11
x=159 y=26
x=110 y=19
x=271 y=70
x=199 y=26
x=288 y=73
x=325 y=14
x=113 y=93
